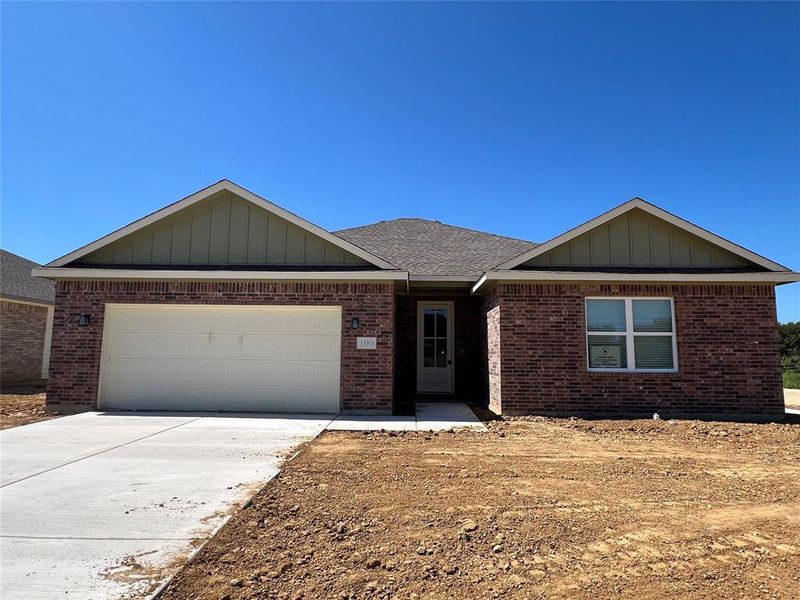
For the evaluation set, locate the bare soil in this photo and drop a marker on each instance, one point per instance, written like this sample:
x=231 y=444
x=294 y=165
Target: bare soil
x=21 y=406
x=537 y=508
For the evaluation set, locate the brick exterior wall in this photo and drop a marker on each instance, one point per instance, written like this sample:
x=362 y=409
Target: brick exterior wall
x=728 y=353
x=468 y=381
x=22 y=332
x=493 y=357
x=367 y=375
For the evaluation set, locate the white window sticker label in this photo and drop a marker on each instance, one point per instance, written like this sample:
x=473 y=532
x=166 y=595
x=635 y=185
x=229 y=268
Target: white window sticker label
x=366 y=343
x=606 y=357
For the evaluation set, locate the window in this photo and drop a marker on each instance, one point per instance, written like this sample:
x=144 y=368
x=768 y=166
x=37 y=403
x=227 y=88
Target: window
x=434 y=333
x=631 y=334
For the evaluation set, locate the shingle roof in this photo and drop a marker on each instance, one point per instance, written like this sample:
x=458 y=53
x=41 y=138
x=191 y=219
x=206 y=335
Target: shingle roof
x=425 y=247
x=16 y=280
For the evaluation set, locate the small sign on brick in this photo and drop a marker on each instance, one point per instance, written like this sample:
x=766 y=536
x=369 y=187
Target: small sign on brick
x=366 y=343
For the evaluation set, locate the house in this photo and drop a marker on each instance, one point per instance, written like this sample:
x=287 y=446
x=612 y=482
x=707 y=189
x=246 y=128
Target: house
x=225 y=301
x=26 y=321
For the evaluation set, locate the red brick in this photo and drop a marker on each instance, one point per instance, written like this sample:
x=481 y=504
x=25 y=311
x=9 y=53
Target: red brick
x=522 y=348
x=727 y=351
x=22 y=331
x=366 y=377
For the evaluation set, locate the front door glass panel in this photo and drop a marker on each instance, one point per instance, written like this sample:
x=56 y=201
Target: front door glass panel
x=435 y=337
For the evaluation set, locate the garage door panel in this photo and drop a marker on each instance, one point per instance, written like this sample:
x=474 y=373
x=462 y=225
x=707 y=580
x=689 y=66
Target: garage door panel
x=223 y=346
x=281 y=320
x=144 y=319
x=307 y=347
x=148 y=373
x=204 y=396
x=195 y=318
x=278 y=321
x=253 y=358
x=249 y=399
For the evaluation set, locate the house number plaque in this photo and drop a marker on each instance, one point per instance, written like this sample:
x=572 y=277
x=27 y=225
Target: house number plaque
x=366 y=343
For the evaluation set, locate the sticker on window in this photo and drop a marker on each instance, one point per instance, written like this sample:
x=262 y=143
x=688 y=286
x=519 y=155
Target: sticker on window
x=606 y=357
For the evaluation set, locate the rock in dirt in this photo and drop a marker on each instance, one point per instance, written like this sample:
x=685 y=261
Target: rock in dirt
x=469 y=525
x=450 y=569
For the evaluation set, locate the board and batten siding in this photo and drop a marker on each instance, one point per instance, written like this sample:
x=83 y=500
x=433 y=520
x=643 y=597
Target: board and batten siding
x=223 y=230
x=637 y=238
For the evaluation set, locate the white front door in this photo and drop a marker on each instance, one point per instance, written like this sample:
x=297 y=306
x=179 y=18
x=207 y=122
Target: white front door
x=435 y=347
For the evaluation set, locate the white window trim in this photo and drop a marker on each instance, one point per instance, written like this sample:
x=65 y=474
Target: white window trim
x=629 y=334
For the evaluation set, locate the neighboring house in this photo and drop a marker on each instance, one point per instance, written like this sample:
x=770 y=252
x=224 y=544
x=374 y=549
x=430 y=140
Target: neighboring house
x=225 y=301
x=26 y=321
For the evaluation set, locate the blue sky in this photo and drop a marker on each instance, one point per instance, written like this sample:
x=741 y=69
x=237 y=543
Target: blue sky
x=520 y=119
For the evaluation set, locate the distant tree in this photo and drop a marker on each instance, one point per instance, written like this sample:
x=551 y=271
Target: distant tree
x=789 y=335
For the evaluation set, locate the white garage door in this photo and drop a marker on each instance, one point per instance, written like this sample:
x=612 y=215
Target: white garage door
x=231 y=358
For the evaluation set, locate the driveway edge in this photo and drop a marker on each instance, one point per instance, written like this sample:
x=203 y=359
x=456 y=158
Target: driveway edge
x=246 y=504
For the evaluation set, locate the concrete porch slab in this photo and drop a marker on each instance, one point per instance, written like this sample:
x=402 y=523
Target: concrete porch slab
x=430 y=416
x=436 y=416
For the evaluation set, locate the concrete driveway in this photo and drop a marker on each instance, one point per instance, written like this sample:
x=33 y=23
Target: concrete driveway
x=104 y=505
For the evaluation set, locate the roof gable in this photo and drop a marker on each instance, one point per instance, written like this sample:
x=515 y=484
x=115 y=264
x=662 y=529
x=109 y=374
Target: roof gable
x=223 y=224
x=638 y=234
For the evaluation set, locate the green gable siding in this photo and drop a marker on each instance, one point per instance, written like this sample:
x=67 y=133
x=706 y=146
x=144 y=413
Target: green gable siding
x=637 y=239
x=224 y=229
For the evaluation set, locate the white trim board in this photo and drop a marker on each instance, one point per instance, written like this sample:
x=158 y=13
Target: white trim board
x=771 y=277
x=206 y=193
x=48 y=341
x=67 y=273
x=655 y=211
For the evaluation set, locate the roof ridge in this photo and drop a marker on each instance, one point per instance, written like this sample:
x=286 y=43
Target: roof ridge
x=470 y=229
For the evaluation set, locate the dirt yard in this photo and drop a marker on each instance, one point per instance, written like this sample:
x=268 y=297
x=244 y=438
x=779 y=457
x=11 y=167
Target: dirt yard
x=541 y=508
x=21 y=406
